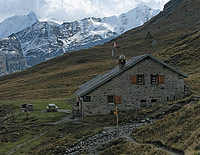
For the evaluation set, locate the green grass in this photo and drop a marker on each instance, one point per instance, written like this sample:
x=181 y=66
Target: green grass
x=59 y=138
x=21 y=128
x=41 y=104
x=122 y=147
x=55 y=80
x=179 y=130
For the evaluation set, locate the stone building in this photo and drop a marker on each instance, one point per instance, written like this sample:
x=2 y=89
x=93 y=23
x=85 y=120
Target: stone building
x=140 y=82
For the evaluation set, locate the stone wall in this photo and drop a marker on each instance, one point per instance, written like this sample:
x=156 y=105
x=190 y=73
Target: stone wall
x=132 y=94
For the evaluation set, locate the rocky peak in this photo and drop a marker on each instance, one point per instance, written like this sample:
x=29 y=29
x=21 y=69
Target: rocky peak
x=41 y=41
x=16 y=23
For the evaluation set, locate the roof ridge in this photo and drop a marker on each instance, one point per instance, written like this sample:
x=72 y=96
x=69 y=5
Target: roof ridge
x=101 y=79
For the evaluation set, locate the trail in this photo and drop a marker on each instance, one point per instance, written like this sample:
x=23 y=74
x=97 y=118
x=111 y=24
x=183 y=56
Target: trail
x=94 y=143
x=53 y=124
x=24 y=143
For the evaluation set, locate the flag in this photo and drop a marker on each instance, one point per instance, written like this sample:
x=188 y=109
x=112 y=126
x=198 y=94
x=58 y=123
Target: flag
x=115 y=44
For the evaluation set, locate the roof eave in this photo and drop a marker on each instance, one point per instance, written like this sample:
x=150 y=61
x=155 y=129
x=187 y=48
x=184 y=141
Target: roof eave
x=127 y=67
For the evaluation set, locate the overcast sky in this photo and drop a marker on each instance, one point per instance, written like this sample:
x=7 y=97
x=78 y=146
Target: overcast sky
x=70 y=10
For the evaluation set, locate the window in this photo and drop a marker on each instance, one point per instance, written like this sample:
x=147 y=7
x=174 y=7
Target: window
x=143 y=103
x=111 y=99
x=140 y=79
x=86 y=98
x=180 y=77
x=154 y=78
x=153 y=101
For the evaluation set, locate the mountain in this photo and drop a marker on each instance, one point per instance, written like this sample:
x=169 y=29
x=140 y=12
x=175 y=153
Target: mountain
x=167 y=35
x=11 y=57
x=173 y=35
x=16 y=23
x=45 y=40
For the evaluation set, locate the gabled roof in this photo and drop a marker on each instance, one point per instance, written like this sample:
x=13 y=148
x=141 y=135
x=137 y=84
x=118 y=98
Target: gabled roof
x=101 y=79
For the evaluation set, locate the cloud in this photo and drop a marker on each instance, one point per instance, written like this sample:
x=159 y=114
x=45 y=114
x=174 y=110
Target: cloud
x=70 y=10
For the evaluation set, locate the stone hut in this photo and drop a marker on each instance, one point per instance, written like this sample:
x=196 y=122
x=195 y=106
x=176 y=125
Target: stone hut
x=140 y=82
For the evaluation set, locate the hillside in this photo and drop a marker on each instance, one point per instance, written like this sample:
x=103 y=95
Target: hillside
x=180 y=130
x=176 y=26
x=173 y=36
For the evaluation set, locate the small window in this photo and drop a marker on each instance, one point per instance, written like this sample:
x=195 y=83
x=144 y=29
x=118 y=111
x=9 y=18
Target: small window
x=86 y=98
x=140 y=79
x=154 y=78
x=153 y=101
x=111 y=99
x=143 y=103
x=180 y=77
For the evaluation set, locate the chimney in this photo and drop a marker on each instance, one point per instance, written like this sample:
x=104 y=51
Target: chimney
x=122 y=61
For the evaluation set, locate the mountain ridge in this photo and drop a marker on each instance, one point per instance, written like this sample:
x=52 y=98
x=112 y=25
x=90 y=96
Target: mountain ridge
x=16 y=23
x=45 y=40
x=60 y=77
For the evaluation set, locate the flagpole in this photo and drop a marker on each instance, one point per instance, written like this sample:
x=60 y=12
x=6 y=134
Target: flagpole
x=113 y=53
x=113 y=49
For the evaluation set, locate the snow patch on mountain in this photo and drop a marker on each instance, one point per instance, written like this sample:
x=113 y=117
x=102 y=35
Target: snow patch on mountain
x=16 y=23
x=133 y=18
x=45 y=40
x=41 y=41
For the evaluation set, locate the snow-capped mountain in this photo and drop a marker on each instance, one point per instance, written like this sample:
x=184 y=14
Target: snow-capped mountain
x=133 y=18
x=45 y=40
x=16 y=23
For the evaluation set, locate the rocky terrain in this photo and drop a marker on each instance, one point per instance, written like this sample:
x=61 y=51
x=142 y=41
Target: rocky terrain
x=16 y=23
x=96 y=142
x=11 y=57
x=41 y=41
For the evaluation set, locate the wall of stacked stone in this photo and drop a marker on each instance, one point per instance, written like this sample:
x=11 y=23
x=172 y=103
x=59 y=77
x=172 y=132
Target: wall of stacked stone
x=132 y=94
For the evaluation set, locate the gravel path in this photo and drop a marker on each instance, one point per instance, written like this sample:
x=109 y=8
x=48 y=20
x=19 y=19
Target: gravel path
x=93 y=143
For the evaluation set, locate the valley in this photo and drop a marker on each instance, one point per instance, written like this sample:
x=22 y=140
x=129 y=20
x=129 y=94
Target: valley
x=173 y=36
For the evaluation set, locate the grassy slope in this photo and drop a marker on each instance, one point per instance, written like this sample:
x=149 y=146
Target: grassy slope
x=120 y=146
x=185 y=55
x=19 y=128
x=174 y=39
x=59 y=77
x=179 y=130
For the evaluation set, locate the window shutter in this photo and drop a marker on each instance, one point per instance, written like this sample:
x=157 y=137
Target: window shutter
x=133 y=79
x=118 y=100
x=161 y=79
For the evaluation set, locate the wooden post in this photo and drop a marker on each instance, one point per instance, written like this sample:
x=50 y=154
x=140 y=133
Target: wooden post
x=117 y=118
x=26 y=113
